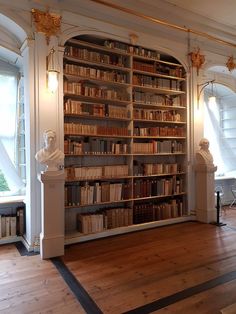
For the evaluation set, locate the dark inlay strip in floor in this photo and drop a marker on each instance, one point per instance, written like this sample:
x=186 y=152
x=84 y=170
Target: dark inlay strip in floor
x=161 y=303
x=80 y=293
x=23 y=251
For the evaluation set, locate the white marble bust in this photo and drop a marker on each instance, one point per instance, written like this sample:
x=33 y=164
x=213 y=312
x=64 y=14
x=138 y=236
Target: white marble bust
x=49 y=155
x=203 y=155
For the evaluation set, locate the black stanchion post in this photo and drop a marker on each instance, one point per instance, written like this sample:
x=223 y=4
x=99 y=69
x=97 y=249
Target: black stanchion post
x=218 y=223
x=217 y=207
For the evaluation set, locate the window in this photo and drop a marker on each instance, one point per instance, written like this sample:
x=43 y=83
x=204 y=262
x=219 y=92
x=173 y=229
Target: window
x=220 y=128
x=12 y=154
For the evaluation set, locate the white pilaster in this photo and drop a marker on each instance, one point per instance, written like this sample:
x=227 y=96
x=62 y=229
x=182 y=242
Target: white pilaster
x=52 y=214
x=205 y=193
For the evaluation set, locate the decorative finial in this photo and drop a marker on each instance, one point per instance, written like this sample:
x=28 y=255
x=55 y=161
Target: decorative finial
x=197 y=59
x=47 y=23
x=231 y=65
x=133 y=39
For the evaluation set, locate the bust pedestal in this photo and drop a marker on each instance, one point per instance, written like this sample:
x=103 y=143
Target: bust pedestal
x=52 y=214
x=205 y=193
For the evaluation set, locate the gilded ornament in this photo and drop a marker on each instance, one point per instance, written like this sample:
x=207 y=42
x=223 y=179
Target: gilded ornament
x=47 y=23
x=231 y=65
x=197 y=59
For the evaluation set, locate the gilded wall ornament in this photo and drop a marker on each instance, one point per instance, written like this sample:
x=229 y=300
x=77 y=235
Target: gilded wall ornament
x=197 y=59
x=231 y=65
x=47 y=23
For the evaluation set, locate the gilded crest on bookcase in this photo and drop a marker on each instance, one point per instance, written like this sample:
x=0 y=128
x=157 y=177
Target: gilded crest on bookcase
x=197 y=59
x=47 y=23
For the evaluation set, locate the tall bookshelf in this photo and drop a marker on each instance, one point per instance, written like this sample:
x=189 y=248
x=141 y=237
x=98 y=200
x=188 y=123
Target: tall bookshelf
x=125 y=128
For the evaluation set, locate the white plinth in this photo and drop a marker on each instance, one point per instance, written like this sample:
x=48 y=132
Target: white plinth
x=205 y=193
x=52 y=213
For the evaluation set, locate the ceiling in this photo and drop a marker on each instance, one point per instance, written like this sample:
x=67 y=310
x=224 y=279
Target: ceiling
x=217 y=10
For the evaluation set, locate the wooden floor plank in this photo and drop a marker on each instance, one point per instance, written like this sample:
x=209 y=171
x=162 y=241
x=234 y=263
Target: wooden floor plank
x=133 y=270
x=209 y=302
x=30 y=285
x=128 y=271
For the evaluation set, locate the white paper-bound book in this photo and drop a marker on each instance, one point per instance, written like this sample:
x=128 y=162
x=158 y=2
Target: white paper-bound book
x=13 y=226
x=8 y=226
x=3 y=225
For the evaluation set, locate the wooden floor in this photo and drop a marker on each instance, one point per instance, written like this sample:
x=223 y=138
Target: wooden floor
x=30 y=285
x=130 y=272
x=126 y=272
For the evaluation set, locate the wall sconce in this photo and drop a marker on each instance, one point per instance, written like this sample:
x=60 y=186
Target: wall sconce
x=200 y=88
x=52 y=71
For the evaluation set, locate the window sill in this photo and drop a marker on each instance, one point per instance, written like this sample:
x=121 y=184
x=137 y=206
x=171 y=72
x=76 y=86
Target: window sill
x=12 y=199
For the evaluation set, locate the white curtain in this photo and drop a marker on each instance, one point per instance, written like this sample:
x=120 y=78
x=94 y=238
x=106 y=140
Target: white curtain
x=8 y=114
x=9 y=170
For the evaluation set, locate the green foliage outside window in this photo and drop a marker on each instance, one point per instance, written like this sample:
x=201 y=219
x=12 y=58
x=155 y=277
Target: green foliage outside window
x=3 y=183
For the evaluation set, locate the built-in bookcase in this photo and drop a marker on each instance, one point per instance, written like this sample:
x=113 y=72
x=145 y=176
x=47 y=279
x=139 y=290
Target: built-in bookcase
x=125 y=138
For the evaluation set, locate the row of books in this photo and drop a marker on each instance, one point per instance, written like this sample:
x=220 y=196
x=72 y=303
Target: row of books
x=136 y=50
x=148 y=212
x=103 y=220
x=93 y=129
x=120 y=217
x=94 y=73
x=113 y=171
x=159 y=131
x=158 y=68
x=99 y=192
x=84 y=88
x=156 y=82
x=12 y=225
x=95 y=56
x=95 y=146
x=155 y=147
x=158 y=115
x=169 y=70
x=72 y=106
x=157 y=187
x=142 y=169
x=158 y=100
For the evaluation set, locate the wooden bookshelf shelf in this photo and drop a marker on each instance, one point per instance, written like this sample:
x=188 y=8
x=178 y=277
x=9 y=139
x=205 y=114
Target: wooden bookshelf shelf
x=81 y=116
x=159 y=75
x=159 y=90
x=13 y=239
x=159 y=106
x=97 y=81
x=161 y=137
x=95 y=99
x=158 y=61
x=98 y=179
x=98 y=155
x=160 y=175
x=113 y=93
x=98 y=135
x=77 y=237
x=98 y=64
x=99 y=204
x=160 y=122
x=160 y=154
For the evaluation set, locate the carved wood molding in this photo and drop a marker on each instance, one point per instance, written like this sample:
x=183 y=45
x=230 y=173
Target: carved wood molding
x=47 y=23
